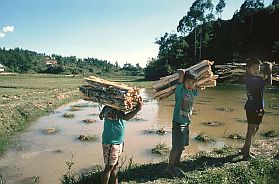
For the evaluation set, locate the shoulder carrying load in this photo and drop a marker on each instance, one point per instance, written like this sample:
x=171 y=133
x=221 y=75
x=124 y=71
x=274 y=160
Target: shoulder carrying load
x=165 y=87
x=113 y=94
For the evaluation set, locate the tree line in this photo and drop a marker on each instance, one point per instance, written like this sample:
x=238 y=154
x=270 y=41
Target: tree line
x=24 y=61
x=202 y=34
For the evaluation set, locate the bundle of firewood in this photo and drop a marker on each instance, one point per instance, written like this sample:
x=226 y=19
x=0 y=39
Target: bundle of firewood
x=113 y=94
x=201 y=71
x=231 y=72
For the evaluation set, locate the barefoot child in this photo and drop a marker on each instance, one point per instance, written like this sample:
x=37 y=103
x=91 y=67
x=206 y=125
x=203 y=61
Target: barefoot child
x=255 y=104
x=113 y=139
x=184 y=96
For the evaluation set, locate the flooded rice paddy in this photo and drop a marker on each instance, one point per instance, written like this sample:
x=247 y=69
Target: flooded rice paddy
x=51 y=141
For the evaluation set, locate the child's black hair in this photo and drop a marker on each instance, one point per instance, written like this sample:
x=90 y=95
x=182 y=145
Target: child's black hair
x=188 y=75
x=253 y=61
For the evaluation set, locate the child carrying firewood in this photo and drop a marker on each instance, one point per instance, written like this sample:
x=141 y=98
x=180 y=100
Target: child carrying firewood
x=113 y=139
x=184 y=96
x=254 y=106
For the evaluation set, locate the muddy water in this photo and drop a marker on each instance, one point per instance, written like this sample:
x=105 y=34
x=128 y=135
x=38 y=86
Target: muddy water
x=37 y=154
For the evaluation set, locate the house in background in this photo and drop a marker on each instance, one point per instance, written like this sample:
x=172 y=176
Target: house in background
x=51 y=62
x=2 y=68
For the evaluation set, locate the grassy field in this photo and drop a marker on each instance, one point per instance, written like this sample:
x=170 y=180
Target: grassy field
x=24 y=98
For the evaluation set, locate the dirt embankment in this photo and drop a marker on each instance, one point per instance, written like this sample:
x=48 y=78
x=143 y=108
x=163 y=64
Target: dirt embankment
x=20 y=106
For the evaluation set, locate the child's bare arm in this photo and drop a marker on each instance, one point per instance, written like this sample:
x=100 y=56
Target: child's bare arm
x=130 y=115
x=268 y=73
x=101 y=115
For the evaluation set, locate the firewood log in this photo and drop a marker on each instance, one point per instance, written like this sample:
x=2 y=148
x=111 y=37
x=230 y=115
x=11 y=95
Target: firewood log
x=165 y=81
x=202 y=72
x=116 y=95
x=208 y=84
x=204 y=80
x=167 y=94
x=164 y=91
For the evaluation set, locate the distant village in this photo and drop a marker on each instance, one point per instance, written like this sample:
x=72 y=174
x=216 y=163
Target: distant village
x=49 y=62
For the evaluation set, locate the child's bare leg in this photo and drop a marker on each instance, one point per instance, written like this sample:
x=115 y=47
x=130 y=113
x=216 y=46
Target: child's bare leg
x=114 y=175
x=171 y=168
x=256 y=129
x=172 y=158
x=177 y=158
x=251 y=131
x=106 y=174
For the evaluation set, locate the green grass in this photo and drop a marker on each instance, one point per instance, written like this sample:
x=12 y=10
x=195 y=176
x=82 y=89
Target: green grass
x=160 y=149
x=83 y=137
x=270 y=133
x=41 y=93
x=203 y=138
x=68 y=115
x=221 y=166
x=39 y=81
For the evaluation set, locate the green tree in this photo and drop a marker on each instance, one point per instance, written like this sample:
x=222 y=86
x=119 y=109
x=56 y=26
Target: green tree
x=275 y=51
x=157 y=68
x=199 y=13
x=248 y=8
x=219 y=8
x=173 y=49
x=275 y=2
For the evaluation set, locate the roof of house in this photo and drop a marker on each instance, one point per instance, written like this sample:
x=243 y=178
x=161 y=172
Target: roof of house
x=2 y=66
x=51 y=62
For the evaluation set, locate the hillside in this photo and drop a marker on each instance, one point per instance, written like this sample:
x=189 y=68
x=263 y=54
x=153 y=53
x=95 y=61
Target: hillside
x=24 y=61
x=251 y=32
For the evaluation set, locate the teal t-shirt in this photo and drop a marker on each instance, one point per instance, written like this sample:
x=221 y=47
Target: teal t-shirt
x=114 y=131
x=183 y=104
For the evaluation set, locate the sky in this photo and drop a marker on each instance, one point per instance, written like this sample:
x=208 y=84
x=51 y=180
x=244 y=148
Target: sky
x=113 y=30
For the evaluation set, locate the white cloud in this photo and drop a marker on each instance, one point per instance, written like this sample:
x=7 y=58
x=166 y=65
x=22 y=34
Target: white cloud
x=2 y=35
x=7 y=29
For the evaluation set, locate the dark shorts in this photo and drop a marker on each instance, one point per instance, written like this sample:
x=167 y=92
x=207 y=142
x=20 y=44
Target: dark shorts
x=254 y=117
x=180 y=136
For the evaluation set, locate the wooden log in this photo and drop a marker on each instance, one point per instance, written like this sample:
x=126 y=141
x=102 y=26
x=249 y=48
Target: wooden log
x=164 y=91
x=275 y=78
x=209 y=73
x=108 y=83
x=202 y=72
x=238 y=70
x=165 y=80
x=95 y=92
x=196 y=70
x=165 y=95
x=197 y=73
x=113 y=94
x=169 y=77
x=199 y=65
x=200 y=82
x=208 y=84
x=96 y=82
x=173 y=83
